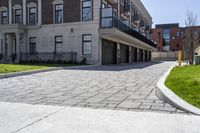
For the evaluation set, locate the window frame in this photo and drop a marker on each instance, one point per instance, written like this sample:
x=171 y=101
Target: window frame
x=86 y=41
x=57 y=11
x=30 y=14
x=57 y=42
x=87 y=7
x=31 y=51
x=16 y=15
x=4 y=17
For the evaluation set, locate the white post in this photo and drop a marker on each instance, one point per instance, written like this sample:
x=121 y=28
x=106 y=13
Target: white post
x=18 y=47
x=3 y=43
x=118 y=53
x=24 y=12
x=39 y=12
x=10 y=11
x=130 y=54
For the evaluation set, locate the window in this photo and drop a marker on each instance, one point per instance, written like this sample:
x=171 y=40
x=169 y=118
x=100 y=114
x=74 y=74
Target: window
x=86 y=10
x=87 y=44
x=32 y=16
x=32 y=45
x=4 y=17
x=18 y=16
x=58 y=44
x=178 y=34
x=58 y=14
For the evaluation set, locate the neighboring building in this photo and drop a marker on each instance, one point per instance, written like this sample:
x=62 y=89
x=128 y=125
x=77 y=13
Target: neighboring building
x=100 y=31
x=167 y=37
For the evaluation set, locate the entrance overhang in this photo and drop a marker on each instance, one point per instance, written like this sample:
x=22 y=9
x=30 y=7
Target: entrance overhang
x=13 y=28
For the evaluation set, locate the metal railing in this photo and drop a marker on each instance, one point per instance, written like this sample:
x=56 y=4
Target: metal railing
x=49 y=56
x=108 y=20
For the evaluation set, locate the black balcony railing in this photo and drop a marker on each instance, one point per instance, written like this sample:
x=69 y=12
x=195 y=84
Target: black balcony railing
x=127 y=7
x=108 y=20
x=50 y=56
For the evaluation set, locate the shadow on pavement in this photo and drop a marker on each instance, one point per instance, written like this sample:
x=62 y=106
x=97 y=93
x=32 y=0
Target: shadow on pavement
x=121 y=67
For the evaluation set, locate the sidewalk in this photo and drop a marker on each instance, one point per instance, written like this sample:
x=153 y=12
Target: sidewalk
x=24 y=118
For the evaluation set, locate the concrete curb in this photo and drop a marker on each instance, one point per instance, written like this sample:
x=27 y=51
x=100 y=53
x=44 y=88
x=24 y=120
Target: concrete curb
x=166 y=95
x=16 y=74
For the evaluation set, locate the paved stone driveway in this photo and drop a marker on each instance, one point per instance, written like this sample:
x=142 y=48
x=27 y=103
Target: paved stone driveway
x=123 y=87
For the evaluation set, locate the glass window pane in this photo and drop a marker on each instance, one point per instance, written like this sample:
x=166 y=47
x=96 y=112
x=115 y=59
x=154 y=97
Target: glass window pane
x=33 y=10
x=86 y=3
x=87 y=37
x=87 y=15
x=87 y=47
x=59 y=39
x=59 y=7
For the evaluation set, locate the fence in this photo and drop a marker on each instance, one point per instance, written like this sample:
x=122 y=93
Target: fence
x=55 y=57
x=171 y=55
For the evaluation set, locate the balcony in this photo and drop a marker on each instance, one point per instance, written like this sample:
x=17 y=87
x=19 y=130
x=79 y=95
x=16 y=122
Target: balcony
x=112 y=1
x=127 y=8
x=109 y=21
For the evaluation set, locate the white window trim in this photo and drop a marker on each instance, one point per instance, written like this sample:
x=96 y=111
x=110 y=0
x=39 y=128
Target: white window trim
x=17 y=7
x=32 y=5
x=2 y=9
x=57 y=2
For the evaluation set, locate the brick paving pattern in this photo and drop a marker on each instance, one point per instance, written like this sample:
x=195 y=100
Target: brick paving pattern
x=115 y=87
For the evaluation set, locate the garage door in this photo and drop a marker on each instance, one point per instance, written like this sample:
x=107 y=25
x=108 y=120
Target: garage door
x=124 y=53
x=109 y=52
x=134 y=54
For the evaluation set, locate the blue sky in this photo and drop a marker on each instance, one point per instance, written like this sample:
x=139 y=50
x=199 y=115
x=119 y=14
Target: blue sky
x=171 y=11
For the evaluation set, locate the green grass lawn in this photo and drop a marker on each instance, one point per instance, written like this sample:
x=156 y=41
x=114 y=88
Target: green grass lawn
x=185 y=82
x=9 y=68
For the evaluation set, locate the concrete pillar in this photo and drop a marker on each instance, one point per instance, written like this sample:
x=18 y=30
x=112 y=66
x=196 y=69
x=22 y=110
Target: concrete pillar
x=130 y=55
x=10 y=11
x=100 y=51
x=39 y=12
x=118 y=53
x=138 y=55
x=24 y=12
x=18 y=47
x=2 y=46
x=143 y=51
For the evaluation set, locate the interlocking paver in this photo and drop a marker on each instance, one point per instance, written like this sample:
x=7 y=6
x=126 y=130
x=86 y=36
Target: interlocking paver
x=120 y=87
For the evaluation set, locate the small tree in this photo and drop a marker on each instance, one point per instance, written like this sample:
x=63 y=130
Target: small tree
x=191 y=40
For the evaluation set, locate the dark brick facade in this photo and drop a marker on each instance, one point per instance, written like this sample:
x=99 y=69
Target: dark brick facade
x=157 y=37
x=35 y=1
x=72 y=11
x=19 y=2
x=47 y=12
x=175 y=36
x=4 y=3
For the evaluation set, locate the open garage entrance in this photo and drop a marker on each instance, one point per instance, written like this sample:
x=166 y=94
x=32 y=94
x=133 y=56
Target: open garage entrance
x=124 y=53
x=133 y=54
x=109 y=52
x=140 y=55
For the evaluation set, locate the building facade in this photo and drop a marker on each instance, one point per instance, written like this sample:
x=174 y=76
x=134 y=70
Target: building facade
x=98 y=31
x=170 y=37
x=167 y=37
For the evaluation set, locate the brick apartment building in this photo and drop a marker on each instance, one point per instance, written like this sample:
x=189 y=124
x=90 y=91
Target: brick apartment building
x=100 y=31
x=169 y=37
